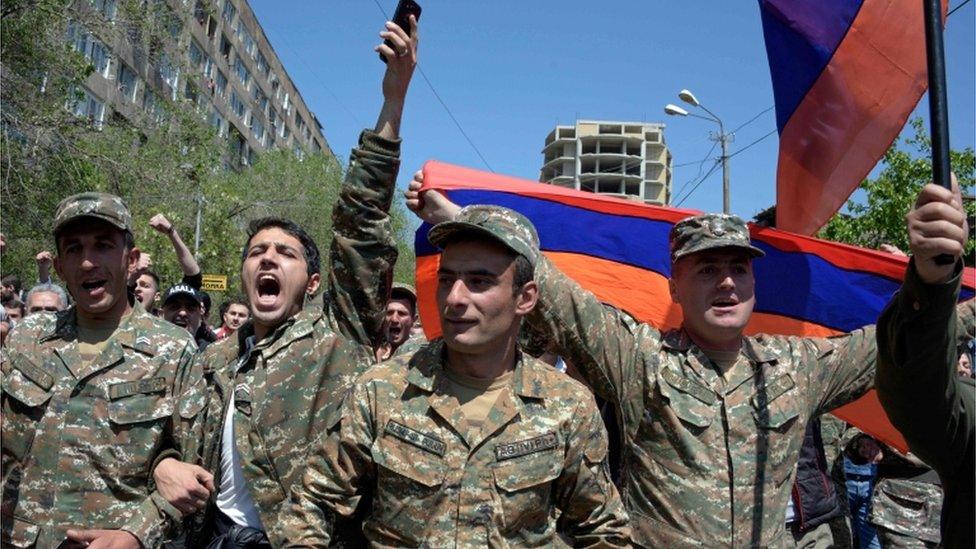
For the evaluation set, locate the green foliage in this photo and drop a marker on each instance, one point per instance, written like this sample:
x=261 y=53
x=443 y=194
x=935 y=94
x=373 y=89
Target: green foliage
x=907 y=167
x=168 y=165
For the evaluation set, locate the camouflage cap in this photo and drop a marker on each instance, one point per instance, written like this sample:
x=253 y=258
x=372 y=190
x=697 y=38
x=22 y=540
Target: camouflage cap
x=708 y=231
x=104 y=206
x=508 y=227
x=401 y=290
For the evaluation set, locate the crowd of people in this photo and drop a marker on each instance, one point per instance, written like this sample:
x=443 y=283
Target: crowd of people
x=316 y=413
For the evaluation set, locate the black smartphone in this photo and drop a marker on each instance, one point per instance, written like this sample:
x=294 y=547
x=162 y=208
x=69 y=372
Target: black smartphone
x=404 y=9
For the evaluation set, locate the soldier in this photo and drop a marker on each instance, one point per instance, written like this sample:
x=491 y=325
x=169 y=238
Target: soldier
x=918 y=333
x=401 y=312
x=712 y=421
x=88 y=395
x=256 y=400
x=469 y=442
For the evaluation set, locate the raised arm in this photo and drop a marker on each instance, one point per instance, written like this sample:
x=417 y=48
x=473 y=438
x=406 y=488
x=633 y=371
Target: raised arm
x=363 y=250
x=188 y=263
x=917 y=339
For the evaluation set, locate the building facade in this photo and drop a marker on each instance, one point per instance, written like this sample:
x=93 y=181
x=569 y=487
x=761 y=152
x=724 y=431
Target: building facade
x=211 y=56
x=626 y=159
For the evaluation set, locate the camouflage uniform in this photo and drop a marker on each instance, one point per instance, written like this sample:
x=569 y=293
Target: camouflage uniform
x=706 y=459
x=285 y=385
x=79 y=439
x=538 y=462
x=399 y=439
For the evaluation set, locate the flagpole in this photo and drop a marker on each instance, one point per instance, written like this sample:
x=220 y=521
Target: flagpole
x=938 y=107
x=938 y=103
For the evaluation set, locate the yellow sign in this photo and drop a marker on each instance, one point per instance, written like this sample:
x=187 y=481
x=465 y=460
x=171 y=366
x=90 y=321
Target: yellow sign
x=215 y=283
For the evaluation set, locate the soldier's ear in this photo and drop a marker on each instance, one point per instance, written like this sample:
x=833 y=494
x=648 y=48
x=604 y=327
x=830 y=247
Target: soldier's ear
x=133 y=259
x=673 y=289
x=313 y=283
x=527 y=298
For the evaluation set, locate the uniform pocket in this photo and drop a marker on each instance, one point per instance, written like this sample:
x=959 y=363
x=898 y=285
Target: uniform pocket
x=21 y=533
x=775 y=403
x=689 y=399
x=524 y=488
x=137 y=423
x=26 y=394
x=409 y=482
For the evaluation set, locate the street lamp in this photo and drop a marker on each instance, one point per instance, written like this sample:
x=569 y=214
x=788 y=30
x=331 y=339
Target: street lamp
x=723 y=138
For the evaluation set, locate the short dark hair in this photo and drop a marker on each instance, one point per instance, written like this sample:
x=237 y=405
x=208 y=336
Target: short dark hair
x=152 y=275
x=16 y=303
x=524 y=271
x=311 y=251
x=225 y=306
x=71 y=226
x=11 y=280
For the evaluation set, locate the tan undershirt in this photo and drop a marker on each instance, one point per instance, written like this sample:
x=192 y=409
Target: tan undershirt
x=93 y=336
x=475 y=396
x=724 y=360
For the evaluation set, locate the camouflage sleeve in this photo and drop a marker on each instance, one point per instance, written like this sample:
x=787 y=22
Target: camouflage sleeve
x=148 y=522
x=917 y=382
x=840 y=369
x=337 y=470
x=592 y=512
x=598 y=340
x=363 y=248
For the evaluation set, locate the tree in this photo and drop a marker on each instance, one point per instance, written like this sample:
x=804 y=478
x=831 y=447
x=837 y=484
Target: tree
x=163 y=159
x=907 y=166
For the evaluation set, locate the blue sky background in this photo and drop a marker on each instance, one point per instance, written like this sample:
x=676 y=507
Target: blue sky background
x=511 y=71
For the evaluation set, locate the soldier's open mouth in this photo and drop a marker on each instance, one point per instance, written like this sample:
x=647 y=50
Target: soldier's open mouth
x=94 y=288
x=269 y=288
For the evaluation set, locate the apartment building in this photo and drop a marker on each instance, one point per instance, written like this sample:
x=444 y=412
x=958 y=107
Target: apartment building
x=213 y=56
x=626 y=159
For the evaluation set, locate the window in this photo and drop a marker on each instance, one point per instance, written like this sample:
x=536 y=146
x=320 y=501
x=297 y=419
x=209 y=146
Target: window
x=153 y=105
x=258 y=128
x=247 y=41
x=285 y=104
x=224 y=46
x=218 y=122
x=221 y=84
x=296 y=149
x=236 y=104
x=169 y=72
x=229 y=12
x=262 y=64
x=200 y=13
x=88 y=106
x=92 y=48
x=242 y=73
x=127 y=81
x=196 y=55
x=105 y=7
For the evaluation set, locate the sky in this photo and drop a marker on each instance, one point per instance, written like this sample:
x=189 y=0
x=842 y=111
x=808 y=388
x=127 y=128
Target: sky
x=510 y=71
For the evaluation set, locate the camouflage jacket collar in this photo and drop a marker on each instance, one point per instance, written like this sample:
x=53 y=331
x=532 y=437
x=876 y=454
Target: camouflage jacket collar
x=755 y=351
x=135 y=331
x=296 y=327
x=429 y=363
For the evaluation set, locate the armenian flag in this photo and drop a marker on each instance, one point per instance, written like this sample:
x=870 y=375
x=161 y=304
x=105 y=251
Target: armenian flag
x=618 y=249
x=846 y=75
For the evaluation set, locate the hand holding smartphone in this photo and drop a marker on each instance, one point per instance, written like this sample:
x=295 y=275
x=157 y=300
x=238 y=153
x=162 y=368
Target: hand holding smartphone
x=404 y=9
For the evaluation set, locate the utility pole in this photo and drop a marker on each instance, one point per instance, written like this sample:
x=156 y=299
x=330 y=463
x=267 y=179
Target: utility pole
x=723 y=138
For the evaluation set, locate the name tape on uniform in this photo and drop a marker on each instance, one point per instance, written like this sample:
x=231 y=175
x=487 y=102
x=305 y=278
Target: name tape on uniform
x=143 y=386
x=525 y=447
x=416 y=438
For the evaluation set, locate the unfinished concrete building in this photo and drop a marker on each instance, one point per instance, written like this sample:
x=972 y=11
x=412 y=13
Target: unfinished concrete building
x=625 y=159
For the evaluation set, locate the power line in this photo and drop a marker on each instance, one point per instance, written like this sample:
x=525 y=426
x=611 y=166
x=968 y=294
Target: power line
x=693 y=189
x=751 y=144
x=953 y=10
x=443 y=104
x=751 y=120
x=700 y=163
